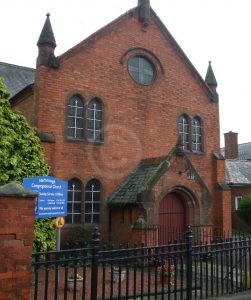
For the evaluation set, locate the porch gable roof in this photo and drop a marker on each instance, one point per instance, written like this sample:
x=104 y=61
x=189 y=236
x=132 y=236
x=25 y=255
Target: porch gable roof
x=141 y=179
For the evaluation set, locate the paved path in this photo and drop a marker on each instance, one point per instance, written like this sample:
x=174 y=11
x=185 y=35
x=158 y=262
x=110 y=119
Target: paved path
x=240 y=296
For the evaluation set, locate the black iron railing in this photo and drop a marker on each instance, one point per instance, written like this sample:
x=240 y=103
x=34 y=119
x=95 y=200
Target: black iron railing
x=187 y=270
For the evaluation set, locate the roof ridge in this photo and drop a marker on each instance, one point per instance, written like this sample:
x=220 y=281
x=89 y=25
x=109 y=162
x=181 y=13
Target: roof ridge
x=185 y=57
x=244 y=143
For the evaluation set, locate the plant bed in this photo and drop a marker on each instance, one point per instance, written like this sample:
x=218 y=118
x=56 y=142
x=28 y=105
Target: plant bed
x=71 y=282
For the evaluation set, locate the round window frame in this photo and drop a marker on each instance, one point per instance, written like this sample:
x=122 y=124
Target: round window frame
x=149 y=61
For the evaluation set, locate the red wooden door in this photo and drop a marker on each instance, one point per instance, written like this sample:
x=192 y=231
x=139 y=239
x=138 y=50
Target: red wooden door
x=172 y=219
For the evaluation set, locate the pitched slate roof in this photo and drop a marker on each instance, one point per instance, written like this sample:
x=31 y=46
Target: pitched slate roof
x=238 y=171
x=138 y=181
x=244 y=151
x=16 y=78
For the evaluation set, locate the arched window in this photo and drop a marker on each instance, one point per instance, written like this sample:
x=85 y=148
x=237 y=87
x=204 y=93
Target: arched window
x=184 y=131
x=92 y=201
x=94 y=120
x=75 y=118
x=196 y=135
x=74 y=204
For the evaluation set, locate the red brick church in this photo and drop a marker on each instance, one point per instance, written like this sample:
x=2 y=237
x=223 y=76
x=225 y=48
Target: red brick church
x=129 y=122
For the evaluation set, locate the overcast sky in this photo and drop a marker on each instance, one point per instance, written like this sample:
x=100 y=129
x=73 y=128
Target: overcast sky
x=216 y=30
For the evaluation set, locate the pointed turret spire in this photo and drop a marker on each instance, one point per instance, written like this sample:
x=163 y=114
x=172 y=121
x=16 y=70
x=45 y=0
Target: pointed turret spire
x=211 y=80
x=47 y=35
x=144 y=11
x=46 y=46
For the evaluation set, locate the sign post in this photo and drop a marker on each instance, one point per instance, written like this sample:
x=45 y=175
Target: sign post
x=58 y=223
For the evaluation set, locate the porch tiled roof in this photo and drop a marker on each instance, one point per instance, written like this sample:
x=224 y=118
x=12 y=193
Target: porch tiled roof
x=238 y=171
x=138 y=181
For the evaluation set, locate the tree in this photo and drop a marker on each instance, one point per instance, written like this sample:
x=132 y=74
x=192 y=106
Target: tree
x=21 y=154
x=244 y=209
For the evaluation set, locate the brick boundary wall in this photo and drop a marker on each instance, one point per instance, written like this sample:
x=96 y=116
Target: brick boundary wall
x=17 y=206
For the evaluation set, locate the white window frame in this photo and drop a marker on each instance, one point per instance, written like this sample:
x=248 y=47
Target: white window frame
x=196 y=135
x=184 y=132
x=71 y=215
x=237 y=200
x=96 y=131
x=92 y=190
x=76 y=105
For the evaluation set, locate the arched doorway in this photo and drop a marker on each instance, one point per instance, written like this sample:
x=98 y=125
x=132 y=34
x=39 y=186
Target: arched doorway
x=172 y=219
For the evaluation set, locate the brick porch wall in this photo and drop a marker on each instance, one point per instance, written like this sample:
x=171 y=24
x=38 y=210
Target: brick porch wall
x=17 y=206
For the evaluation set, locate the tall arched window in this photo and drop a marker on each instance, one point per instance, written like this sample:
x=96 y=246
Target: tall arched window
x=94 y=120
x=92 y=201
x=196 y=135
x=184 y=131
x=74 y=204
x=75 y=118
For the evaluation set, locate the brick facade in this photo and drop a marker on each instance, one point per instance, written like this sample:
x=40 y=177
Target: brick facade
x=139 y=121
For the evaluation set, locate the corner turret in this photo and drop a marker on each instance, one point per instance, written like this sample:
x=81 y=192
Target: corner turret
x=46 y=46
x=211 y=81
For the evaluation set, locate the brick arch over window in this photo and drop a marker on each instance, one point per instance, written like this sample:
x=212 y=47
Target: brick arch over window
x=145 y=53
x=75 y=118
x=95 y=120
x=92 y=201
x=74 y=204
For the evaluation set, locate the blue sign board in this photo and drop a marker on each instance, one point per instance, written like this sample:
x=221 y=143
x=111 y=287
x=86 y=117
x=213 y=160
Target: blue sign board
x=52 y=199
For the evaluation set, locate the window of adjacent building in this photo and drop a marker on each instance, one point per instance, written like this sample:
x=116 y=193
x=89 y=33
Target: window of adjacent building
x=75 y=119
x=237 y=201
x=92 y=201
x=196 y=135
x=141 y=70
x=74 y=202
x=184 y=131
x=94 y=120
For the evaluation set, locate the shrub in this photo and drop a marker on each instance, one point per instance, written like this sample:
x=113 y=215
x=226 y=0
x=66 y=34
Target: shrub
x=80 y=237
x=244 y=210
x=21 y=156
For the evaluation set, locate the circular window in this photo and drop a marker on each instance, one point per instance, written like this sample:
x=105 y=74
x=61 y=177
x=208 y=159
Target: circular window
x=141 y=70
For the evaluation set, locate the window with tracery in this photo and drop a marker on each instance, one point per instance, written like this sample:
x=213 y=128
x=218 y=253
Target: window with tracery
x=94 y=120
x=196 y=135
x=74 y=204
x=92 y=201
x=184 y=131
x=75 y=118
